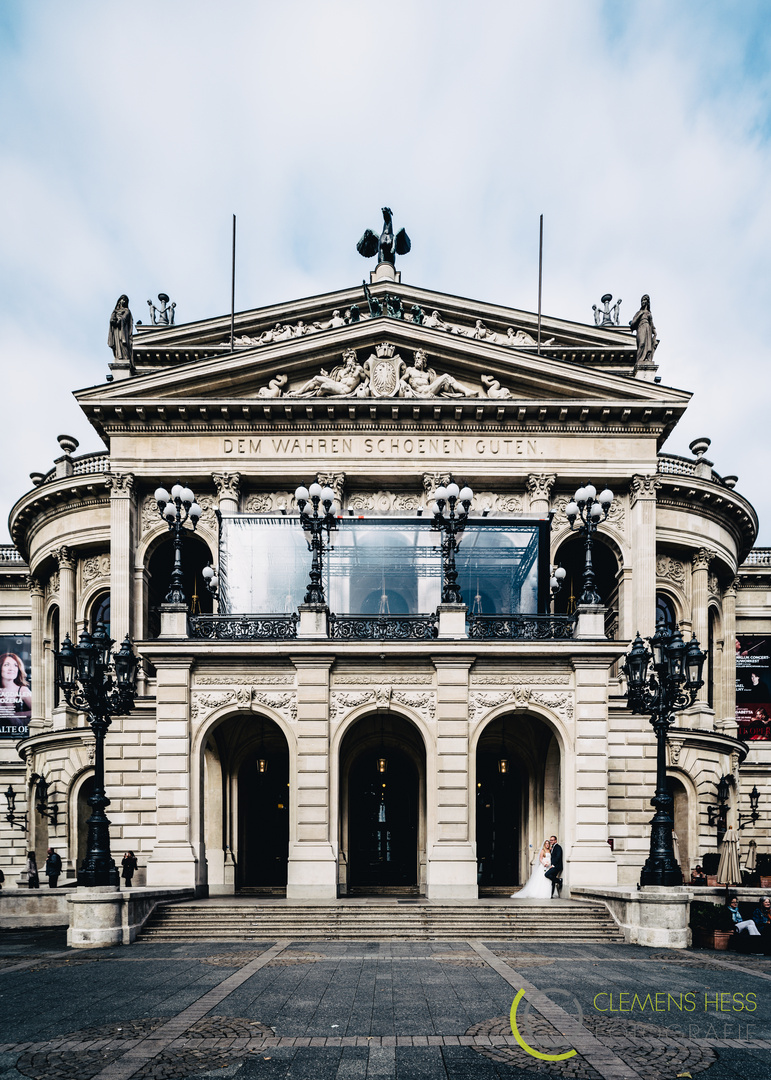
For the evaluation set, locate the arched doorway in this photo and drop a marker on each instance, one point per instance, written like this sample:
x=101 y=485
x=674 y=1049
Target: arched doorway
x=517 y=798
x=681 y=816
x=245 y=799
x=382 y=801
x=195 y=556
x=84 y=811
x=571 y=555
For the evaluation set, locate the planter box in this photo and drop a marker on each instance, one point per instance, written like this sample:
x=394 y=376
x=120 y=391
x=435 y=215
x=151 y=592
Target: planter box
x=711 y=879
x=712 y=939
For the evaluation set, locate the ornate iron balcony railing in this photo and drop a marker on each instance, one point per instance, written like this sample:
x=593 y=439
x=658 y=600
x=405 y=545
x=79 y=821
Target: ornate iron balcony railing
x=383 y=627
x=521 y=627
x=243 y=627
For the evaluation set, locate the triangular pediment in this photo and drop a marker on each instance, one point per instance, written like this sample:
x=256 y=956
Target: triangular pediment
x=382 y=367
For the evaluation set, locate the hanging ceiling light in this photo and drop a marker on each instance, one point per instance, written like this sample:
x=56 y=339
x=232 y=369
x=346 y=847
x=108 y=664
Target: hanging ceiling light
x=503 y=761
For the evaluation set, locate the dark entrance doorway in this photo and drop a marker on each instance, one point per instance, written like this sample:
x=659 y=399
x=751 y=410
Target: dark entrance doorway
x=499 y=801
x=383 y=829
x=263 y=813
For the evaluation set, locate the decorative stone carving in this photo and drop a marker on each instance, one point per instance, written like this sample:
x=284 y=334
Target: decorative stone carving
x=407 y=502
x=361 y=502
x=431 y=481
x=383 y=696
x=644 y=487
x=702 y=559
x=227 y=484
x=642 y=324
x=348 y=380
x=713 y=585
x=384 y=370
x=481 y=702
x=421 y=702
x=675 y=746
x=731 y=587
x=284 y=704
x=243 y=680
x=95 y=567
x=203 y=704
x=336 y=481
x=606 y=315
x=258 y=504
x=119 y=483
x=672 y=569
x=164 y=315
x=422 y=381
x=65 y=557
x=509 y=504
x=243 y=697
x=505 y=678
x=149 y=516
x=493 y=389
x=35 y=586
x=274 y=387
x=539 y=485
x=121 y=332
x=410 y=679
x=341 y=703
x=52 y=585
x=616 y=514
x=388 y=245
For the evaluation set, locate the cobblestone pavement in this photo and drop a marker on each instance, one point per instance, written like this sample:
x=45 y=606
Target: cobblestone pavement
x=332 y=1010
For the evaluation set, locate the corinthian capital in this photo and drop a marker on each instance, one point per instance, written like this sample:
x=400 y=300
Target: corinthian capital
x=228 y=484
x=702 y=558
x=34 y=586
x=643 y=487
x=334 y=480
x=119 y=483
x=539 y=485
x=65 y=558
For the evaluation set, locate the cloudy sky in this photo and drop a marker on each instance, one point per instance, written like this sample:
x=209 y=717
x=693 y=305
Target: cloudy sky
x=641 y=130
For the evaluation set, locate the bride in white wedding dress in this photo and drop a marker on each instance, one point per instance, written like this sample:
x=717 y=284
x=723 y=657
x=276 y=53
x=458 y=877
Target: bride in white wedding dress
x=538 y=887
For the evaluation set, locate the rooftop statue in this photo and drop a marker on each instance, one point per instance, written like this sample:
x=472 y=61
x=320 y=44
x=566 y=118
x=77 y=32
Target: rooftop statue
x=164 y=315
x=387 y=246
x=606 y=315
x=121 y=331
x=642 y=324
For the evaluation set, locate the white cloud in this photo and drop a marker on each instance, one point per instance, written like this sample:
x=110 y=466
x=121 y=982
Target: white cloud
x=134 y=133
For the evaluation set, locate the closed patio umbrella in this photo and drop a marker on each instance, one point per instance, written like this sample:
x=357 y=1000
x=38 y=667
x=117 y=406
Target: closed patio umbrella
x=752 y=851
x=728 y=872
x=676 y=847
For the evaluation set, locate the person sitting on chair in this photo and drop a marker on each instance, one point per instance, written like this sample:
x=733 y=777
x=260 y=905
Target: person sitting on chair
x=740 y=924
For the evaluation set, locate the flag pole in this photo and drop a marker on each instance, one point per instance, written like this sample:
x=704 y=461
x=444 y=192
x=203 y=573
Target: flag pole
x=233 y=290
x=540 y=282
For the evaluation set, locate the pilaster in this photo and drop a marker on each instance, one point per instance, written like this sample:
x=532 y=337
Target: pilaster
x=228 y=487
x=121 y=487
x=643 y=532
x=173 y=861
x=451 y=871
x=37 y=689
x=65 y=559
x=312 y=869
x=729 y=658
x=590 y=860
x=700 y=564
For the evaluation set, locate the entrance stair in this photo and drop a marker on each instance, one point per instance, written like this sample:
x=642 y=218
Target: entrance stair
x=380 y=920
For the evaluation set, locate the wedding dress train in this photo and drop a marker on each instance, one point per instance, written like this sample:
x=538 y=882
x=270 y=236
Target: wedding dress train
x=538 y=886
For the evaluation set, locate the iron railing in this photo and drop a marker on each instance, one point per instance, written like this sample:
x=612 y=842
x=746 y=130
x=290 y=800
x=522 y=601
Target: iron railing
x=521 y=627
x=383 y=627
x=243 y=627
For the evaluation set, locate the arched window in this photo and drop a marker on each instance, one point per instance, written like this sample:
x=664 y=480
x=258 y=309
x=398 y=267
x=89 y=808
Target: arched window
x=100 y=612
x=665 y=614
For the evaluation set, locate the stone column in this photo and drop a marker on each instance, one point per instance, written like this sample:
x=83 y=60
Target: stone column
x=173 y=861
x=228 y=486
x=451 y=870
x=121 y=487
x=642 y=519
x=729 y=657
x=589 y=859
x=312 y=870
x=700 y=564
x=539 y=487
x=65 y=557
x=37 y=675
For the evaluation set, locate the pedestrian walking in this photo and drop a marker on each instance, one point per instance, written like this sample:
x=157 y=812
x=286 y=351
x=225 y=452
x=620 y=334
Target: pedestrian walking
x=128 y=865
x=53 y=868
x=33 y=881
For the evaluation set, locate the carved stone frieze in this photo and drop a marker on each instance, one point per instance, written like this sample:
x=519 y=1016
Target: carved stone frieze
x=227 y=484
x=243 y=680
x=539 y=485
x=406 y=503
x=284 y=704
x=668 y=568
x=481 y=702
x=259 y=504
x=341 y=702
x=203 y=704
x=52 y=585
x=509 y=504
x=431 y=481
x=361 y=502
x=95 y=567
x=644 y=487
x=209 y=506
x=149 y=516
x=336 y=481
x=119 y=483
x=409 y=679
x=504 y=678
x=616 y=514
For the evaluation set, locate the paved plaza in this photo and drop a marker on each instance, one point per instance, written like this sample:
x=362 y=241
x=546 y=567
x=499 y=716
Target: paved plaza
x=350 y=1010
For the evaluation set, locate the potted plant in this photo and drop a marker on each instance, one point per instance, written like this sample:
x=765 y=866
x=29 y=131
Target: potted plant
x=711 y=925
x=763 y=868
x=710 y=863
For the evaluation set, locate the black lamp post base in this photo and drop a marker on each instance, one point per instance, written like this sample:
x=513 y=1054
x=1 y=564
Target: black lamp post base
x=661 y=874
x=91 y=877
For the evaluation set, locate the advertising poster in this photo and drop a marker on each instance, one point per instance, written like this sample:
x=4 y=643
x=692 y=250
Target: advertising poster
x=15 y=696
x=753 y=687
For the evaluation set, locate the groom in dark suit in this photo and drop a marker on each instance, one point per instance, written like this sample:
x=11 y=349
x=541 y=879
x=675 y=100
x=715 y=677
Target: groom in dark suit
x=554 y=873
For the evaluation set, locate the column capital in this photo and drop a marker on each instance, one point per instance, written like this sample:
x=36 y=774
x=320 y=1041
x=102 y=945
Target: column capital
x=731 y=588
x=228 y=484
x=702 y=558
x=120 y=485
x=643 y=487
x=431 y=481
x=35 y=586
x=539 y=485
x=334 y=480
x=65 y=557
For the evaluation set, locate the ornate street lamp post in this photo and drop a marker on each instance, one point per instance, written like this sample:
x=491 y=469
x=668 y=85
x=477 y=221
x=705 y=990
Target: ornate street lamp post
x=662 y=680
x=176 y=509
x=592 y=509
x=102 y=684
x=315 y=524
x=457 y=502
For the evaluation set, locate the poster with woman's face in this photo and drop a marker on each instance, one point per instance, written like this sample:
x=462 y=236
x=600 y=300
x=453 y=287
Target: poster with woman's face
x=753 y=687
x=15 y=696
